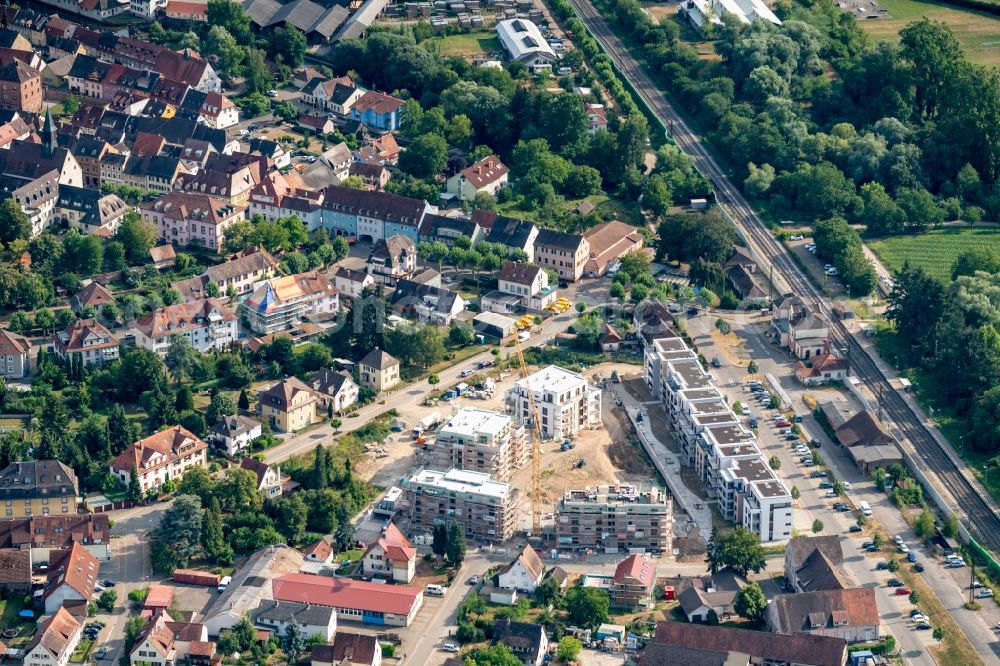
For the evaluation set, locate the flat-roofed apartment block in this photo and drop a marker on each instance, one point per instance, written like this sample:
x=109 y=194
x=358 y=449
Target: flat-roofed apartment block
x=566 y=403
x=481 y=441
x=712 y=439
x=615 y=518
x=489 y=510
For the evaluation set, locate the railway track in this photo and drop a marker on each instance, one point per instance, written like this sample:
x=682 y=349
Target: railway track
x=932 y=453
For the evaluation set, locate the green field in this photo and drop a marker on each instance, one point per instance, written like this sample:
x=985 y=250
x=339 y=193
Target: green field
x=976 y=31
x=935 y=251
x=469 y=45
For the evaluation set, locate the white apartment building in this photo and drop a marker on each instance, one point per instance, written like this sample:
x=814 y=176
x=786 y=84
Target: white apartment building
x=208 y=325
x=712 y=439
x=161 y=456
x=566 y=403
x=482 y=441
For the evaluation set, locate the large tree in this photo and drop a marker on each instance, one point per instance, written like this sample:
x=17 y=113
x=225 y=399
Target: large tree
x=14 y=224
x=738 y=548
x=750 y=603
x=178 y=537
x=136 y=236
x=587 y=606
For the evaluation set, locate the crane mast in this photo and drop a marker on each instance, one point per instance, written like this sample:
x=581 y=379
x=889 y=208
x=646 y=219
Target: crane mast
x=536 y=449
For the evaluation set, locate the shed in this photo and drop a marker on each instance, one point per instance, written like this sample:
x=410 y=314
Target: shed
x=494 y=325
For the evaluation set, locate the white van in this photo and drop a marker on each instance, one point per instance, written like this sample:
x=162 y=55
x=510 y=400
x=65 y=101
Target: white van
x=435 y=590
x=865 y=508
x=224 y=583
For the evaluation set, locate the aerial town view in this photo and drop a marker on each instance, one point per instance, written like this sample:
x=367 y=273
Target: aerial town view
x=500 y=332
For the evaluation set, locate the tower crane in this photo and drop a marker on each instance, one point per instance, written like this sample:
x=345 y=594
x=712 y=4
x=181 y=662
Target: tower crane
x=536 y=448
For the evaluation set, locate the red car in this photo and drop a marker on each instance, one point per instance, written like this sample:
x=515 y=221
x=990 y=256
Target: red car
x=900 y=591
x=782 y=424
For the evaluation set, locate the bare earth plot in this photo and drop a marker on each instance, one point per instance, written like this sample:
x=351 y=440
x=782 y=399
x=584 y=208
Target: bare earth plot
x=977 y=32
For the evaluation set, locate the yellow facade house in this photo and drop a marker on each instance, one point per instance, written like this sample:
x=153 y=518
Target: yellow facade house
x=289 y=405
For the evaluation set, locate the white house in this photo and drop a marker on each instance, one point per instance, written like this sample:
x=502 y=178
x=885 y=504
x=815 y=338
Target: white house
x=72 y=576
x=351 y=283
x=234 y=433
x=312 y=619
x=528 y=282
x=808 y=335
x=487 y=175
x=162 y=456
x=523 y=573
x=269 y=480
x=208 y=325
x=54 y=641
x=335 y=388
x=391 y=557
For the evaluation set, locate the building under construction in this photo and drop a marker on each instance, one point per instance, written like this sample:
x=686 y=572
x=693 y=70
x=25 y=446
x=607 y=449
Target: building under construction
x=615 y=518
x=481 y=441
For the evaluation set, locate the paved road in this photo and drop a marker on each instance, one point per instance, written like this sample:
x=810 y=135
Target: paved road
x=591 y=292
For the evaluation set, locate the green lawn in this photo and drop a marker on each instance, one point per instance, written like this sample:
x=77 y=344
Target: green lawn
x=472 y=44
x=976 y=31
x=935 y=251
x=82 y=651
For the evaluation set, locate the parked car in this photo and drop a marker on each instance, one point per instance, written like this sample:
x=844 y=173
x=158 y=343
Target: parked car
x=465 y=373
x=826 y=484
x=107 y=582
x=911 y=557
x=898 y=539
x=918 y=567
x=818 y=474
x=854 y=529
x=902 y=591
x=922 y=626
x=101 y=653
x=796 y=237
x=815 y=443
x=450 y=647
x=473 y=580
x=882 y=566
x=984 y=593
x=975 y=585
x=894 y=582
x=840 y=506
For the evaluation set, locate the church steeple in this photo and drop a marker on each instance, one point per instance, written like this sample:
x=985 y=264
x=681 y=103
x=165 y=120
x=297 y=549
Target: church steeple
x=49 y=140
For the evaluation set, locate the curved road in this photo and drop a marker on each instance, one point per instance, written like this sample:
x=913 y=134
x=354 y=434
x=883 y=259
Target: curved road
x=934 y=454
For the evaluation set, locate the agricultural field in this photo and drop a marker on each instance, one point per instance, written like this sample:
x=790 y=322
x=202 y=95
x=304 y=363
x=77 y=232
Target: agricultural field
x=935 y=250
x=977 y=32
x=465 y=46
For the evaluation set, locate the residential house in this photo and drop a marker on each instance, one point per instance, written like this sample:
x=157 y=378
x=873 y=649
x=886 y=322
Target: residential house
x=374 y=176
x=514 y=233
x=610 y=340
x=237 y=276
x=524 y=43
x=208 y=325
x=824 y=369
x=317 y=124
x=609 y=242
x=321 y=552
x=382 y=605
x=390 y=557
x=348 y=649
x=392 y=259
x=158 y=173
x=336 y=388
x=597 y=118
x=15 y=355
x=428 y=304
x=487 y=175
x=562 y=252
x=633 y=583
x=448 y=229
x=368 y=214
x=378 y=370
x=526 y=640
x=89 y=211
x=270 y=482
x=163 y=642
x=808 y=335
x=850 y=614
x=289 y=405
x=352 y=283
x=715 y=593
x=54 y=641
x=160 y=457
x=15 y=573
x=20 y=86
x=815 y=563
x=529 y=283
x=218 y=111
x=72 y=575
x=185 y=218
x=335 y=95
x=744 y=12
x=682 y=643
x=524 y=573
x=783 y=312
x=228 y=177
x=378 y=110
x=566 y=403
x=283 y=302
x=43 y=535
x=38 y=488
x=741 y=273
x=276 y=616
x=234 y=433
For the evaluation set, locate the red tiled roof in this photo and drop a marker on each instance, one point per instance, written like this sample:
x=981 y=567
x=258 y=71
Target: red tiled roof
x=75 y=567
x=377 y=102
x=321 y=550
x=172 y=443
x=346 y=593
x=12 y=344
x=637 y=567
x=395 y=546
x=486 y=171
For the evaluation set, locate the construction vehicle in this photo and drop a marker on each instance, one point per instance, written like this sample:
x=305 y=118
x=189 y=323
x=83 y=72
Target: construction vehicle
x=536 y=448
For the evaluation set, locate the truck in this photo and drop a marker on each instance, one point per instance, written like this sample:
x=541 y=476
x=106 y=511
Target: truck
x=193 y=577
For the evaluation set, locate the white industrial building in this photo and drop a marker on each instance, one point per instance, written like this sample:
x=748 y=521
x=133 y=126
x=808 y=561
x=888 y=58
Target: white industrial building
x=566 y=403
x=712 y=439
x=700 y=12
x=525 y=43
